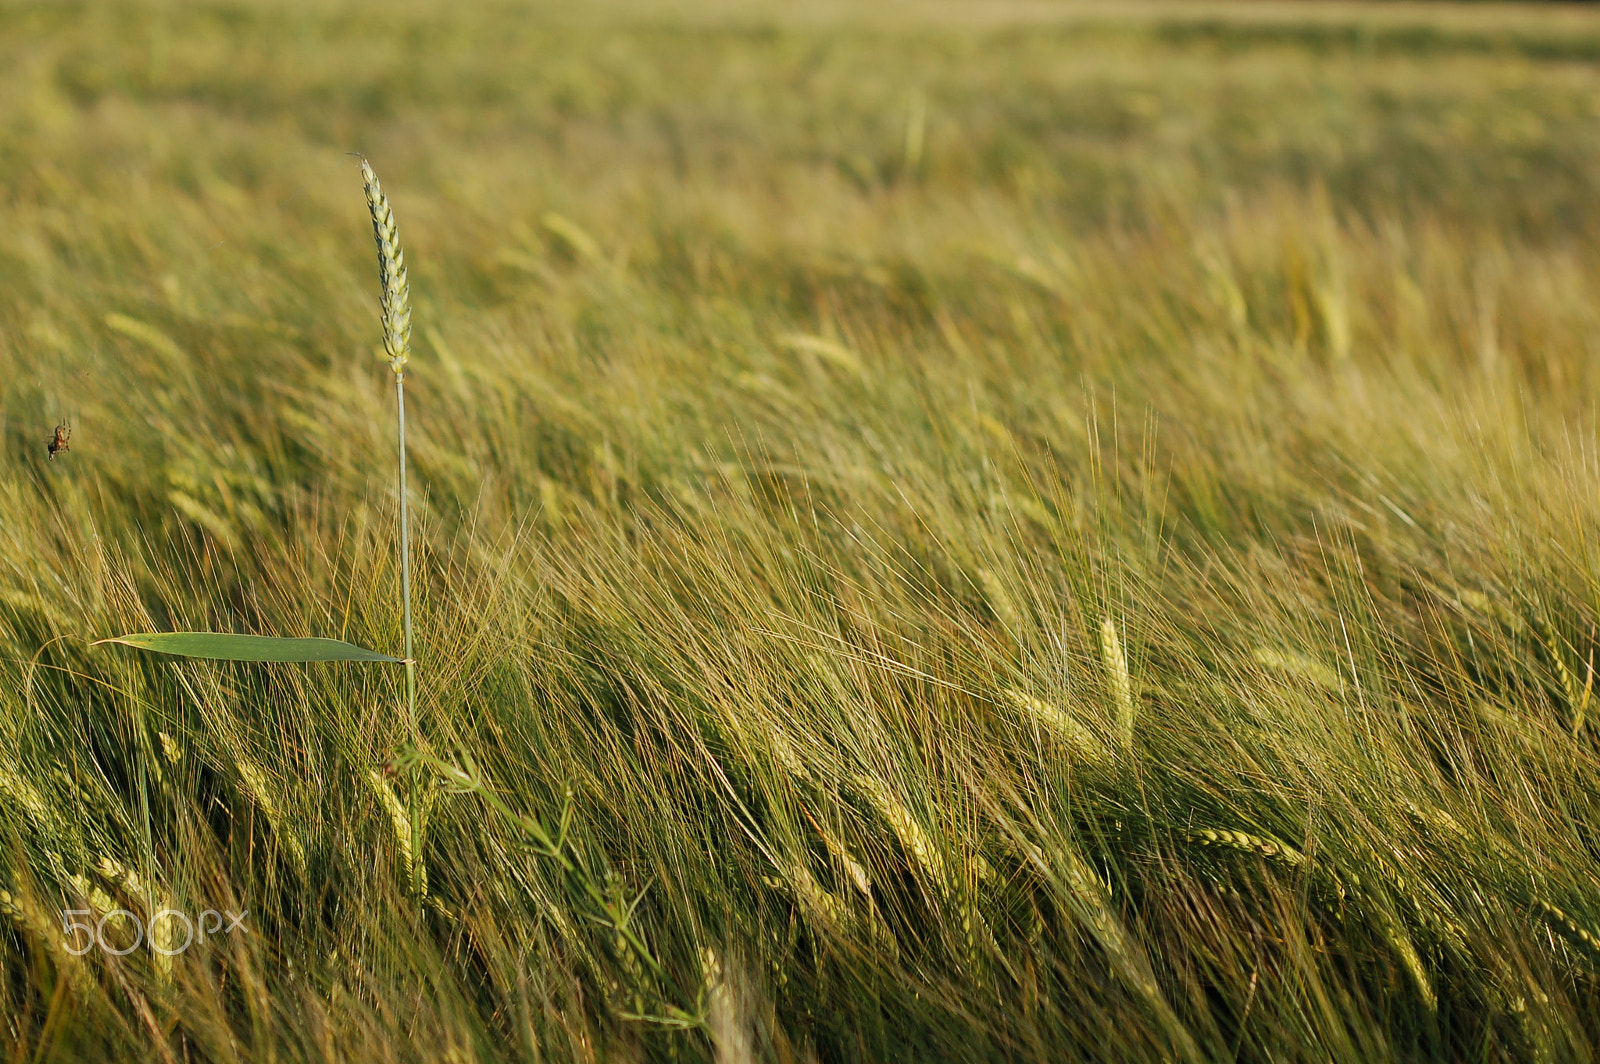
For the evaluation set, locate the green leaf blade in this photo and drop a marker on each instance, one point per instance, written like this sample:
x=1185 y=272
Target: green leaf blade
x=222 y=646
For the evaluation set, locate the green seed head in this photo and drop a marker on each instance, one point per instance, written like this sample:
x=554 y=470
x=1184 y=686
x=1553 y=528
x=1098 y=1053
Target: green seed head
x=396 y=298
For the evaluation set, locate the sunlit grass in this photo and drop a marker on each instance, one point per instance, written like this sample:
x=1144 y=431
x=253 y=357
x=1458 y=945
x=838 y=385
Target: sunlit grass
x=936 y=535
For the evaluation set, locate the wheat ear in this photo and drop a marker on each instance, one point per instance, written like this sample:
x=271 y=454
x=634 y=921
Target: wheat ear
x=10 y=908
x=1569 y=926
x=955 y=888
x=916 y=842
x=1059 y=724
x=1239 y=840
x=396 y=297
x=260 y=790
x=1116 y=663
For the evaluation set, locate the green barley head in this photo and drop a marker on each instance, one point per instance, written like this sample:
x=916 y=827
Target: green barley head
x=1116 y=663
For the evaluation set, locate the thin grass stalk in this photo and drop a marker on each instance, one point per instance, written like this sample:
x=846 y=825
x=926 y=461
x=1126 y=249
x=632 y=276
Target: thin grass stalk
x=405 y=560
x=413 y=792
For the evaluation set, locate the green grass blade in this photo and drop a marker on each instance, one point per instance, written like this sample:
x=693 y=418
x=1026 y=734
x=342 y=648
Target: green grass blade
x=226 y=647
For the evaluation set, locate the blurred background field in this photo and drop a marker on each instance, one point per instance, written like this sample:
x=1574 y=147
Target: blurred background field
x=1019 y=531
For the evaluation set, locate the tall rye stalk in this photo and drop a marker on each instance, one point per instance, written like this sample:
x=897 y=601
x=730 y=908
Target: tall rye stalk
x=395 y=301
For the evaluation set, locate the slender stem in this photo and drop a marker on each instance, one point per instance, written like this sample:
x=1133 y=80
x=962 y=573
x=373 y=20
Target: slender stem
x=146 y=752
x=414 y=796
x=405 y=560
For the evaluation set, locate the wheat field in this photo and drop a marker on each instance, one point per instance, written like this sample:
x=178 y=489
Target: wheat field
x=942 y=531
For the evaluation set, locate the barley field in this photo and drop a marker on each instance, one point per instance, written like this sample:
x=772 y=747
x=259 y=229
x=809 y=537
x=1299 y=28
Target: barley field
x=1037 y=530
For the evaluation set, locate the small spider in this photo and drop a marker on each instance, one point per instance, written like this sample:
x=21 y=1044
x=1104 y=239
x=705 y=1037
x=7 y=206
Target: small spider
x=58 y=442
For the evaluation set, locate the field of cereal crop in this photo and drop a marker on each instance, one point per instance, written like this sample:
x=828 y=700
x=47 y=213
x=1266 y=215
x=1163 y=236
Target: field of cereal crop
x=1036 y=530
